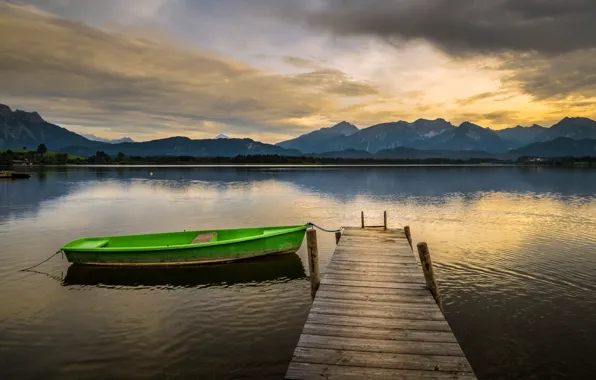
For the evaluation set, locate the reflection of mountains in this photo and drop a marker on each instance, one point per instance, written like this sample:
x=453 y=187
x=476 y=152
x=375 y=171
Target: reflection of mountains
x=22 y=197
x=266 y=268
x=347 y=182
x=343 y=183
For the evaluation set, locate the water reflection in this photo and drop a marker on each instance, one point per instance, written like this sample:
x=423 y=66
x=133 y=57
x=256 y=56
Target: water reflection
x=418 y=184
x=514 y=248
x=262 y=269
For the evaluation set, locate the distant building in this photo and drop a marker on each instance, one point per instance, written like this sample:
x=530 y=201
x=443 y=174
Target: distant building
x=24 y=162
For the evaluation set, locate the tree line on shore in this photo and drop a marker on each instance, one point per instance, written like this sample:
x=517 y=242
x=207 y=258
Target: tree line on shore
x=41 y=156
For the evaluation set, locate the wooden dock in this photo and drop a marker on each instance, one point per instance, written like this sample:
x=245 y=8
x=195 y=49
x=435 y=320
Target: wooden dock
x=373 y=317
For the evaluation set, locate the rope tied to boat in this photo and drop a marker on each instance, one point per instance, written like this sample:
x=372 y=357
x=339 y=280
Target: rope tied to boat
x=36 y=265
x=311 y=224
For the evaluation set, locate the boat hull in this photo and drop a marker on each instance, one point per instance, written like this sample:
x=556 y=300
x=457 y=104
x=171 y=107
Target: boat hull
x=287 y=242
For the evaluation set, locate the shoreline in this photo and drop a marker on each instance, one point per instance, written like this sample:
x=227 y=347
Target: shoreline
x=19 y=168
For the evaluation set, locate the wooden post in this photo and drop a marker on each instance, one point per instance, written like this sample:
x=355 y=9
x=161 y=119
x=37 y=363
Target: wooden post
x=408 y=235
x=337 y=237
x=385 y=219
x=429 y=273
x=362 y=218
x=313 y=260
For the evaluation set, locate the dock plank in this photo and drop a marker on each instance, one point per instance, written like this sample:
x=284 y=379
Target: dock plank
x=379 y=333
x=387 y=259
x=395 y=297
x=299 y=371
x=374 y=318
x=374 y=277
x=382 y=360
x=393 y=323
x=371 y=284
x=376 y=345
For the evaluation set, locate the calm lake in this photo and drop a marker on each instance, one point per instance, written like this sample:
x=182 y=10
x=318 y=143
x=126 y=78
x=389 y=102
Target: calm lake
x=514 y=252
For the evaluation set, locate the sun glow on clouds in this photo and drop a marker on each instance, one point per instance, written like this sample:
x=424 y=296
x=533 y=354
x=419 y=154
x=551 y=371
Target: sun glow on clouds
x=161 y=68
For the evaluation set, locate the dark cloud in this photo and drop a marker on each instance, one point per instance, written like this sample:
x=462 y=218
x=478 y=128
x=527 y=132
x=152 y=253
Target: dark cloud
x=477 y=98
x=490 y=119
x=494 y=96
x=502 y=117
x=333 y=81
x=571 y=74
x=463 y=26
x=67 y=69
x=301 y=62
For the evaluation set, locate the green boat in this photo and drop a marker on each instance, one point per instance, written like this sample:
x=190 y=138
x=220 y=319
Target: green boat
x=184 y=248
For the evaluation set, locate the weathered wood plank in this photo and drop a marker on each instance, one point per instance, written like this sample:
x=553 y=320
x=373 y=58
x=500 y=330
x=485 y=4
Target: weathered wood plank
x=367 y=232
x=371 y=259
x=393 y=323
x=371 y=251
x=375 y=237
x=377 y=242
x=417 y=293
x=369 y=274
x=373 y=267
x=307 y=371
x=377 y=312
x=411 y=267
x=381 y=248
x=393 y=305
x=379 y=333
x=386 y=278
x=395 y=297
x=381 y=360
x=346 y=269
x=371 y=284
x=374 y=241
x=376 y=345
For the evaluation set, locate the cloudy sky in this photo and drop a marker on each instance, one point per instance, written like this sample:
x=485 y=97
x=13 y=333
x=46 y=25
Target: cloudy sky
x=273 y=69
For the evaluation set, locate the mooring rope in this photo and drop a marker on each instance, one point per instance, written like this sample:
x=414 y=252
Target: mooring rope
x=36 y=265
x=311 y=224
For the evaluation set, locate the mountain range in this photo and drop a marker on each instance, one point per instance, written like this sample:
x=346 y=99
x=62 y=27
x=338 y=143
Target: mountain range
x=419 y=139
x=436 y=134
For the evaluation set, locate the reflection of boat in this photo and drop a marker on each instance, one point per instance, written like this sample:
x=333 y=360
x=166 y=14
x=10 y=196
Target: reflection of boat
x=260 y=269
x=188 y=247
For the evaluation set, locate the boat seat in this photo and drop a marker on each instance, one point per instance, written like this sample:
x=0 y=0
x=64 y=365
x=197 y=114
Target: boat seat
x=89 y=244
x=204 y=238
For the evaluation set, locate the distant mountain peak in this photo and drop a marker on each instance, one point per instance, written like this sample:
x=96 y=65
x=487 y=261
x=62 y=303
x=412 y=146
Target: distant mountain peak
x=423 y=120
x=577 y=120
x=533 y=126
x=310 y=142
x=221 y=136
x=109 y=141
x=577 y=128
x=343 y=126
x=35 y=117
x=467 y=124
x=5 y=110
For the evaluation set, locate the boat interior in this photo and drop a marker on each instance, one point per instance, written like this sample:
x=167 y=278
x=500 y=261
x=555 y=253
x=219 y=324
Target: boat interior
x=171 y=238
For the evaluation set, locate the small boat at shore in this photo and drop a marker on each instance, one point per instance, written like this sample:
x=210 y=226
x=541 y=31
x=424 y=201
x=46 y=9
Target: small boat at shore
x=185 y=248
x=14 y=175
